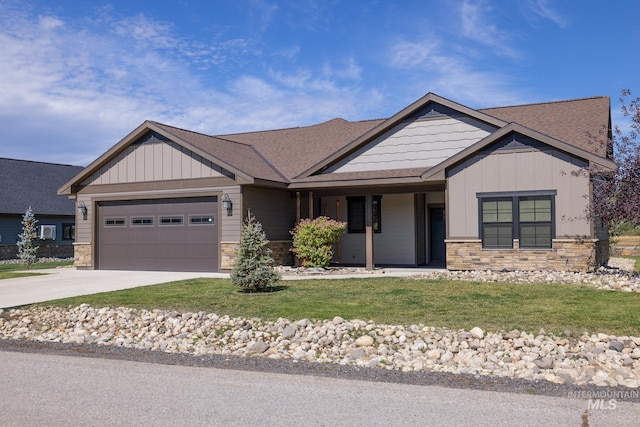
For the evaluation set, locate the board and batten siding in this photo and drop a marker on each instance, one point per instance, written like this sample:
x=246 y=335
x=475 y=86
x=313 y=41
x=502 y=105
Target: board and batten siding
x=421 y=143
x=512 y=171
x=274 y=209
x=394 y=245
x=156 y=161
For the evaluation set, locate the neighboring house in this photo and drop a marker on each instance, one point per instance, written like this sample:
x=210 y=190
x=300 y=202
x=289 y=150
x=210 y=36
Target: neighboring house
x=27 y=184
x=436 y=184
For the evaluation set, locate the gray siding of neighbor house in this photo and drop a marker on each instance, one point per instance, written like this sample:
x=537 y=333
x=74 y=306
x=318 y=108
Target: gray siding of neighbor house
x=155 y=160
x=421 y=143
x=274 y=209
x=11 y=226
x=395 y=244
x=526 y=169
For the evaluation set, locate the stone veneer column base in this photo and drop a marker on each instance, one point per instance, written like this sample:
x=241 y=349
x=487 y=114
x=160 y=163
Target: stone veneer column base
x=280 y=251
x=565 y=255
x=82 y=255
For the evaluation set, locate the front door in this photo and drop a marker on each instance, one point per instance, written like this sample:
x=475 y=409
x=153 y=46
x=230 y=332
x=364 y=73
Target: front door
x=437 y=234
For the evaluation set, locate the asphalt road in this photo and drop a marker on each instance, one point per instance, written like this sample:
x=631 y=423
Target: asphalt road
x=54 y=390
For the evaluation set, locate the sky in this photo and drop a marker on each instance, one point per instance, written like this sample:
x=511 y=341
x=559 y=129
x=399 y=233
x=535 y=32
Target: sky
x=77 y=76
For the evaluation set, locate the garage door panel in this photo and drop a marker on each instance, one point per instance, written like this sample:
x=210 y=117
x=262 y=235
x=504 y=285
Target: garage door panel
x=158 y=235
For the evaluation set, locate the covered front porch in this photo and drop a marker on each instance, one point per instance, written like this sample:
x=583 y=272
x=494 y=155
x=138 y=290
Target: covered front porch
x=386 y=226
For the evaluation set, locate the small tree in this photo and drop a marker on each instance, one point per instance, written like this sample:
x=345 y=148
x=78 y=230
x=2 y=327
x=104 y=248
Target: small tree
x=26 y=249
x=616 y=194
x=253 y=270
x=313 y=240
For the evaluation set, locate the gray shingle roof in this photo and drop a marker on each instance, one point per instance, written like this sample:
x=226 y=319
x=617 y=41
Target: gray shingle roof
x=26 y=183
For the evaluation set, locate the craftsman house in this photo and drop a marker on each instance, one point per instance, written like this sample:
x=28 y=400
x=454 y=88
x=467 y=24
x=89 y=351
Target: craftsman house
x=27 y=184
x=436 y=184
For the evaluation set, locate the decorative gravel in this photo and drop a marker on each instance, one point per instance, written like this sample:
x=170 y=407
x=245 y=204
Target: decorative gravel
x=585 y=361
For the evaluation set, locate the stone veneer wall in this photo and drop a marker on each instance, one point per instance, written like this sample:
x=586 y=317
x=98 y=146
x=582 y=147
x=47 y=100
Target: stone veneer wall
x=565 y=255
x=82 y=257
x=280 y=251
x=45 y=250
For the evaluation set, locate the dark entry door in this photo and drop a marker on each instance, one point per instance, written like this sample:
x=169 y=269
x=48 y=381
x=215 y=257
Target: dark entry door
x=160 y=235
x=437 y=234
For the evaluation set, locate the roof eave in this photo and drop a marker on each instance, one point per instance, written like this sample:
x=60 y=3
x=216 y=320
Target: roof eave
x=354 y=183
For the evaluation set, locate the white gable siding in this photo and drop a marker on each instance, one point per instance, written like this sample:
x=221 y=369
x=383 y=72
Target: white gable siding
x=157 y=161
x=422 y=143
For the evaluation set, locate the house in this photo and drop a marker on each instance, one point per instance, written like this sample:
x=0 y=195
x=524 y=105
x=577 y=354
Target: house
x=33 y=184
x=438 y=183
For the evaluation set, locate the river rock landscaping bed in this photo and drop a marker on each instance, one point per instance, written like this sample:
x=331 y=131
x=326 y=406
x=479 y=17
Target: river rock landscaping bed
x=598 y=359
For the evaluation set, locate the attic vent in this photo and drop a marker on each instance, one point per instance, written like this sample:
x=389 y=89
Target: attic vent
x=48 y=232
x=151 y=137
x=434 y=110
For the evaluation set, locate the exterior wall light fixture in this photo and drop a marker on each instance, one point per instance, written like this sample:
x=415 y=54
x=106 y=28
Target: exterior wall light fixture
x=82 y=210
x=227 y=204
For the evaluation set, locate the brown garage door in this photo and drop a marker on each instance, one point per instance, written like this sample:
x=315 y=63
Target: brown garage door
x=162 y=235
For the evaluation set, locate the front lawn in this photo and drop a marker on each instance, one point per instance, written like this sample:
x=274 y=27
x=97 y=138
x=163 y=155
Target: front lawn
x=10 y=271
x=451 y=304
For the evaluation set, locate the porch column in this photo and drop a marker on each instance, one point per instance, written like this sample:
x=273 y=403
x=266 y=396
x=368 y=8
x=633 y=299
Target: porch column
x=368 y=227
x=297 y=207
x=310 y=204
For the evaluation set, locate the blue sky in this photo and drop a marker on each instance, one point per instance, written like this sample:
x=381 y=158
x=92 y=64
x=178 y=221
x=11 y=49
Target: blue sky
x=78 y=76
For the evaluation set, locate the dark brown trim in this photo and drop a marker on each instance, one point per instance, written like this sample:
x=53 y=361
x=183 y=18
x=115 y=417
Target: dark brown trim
x=187 y=184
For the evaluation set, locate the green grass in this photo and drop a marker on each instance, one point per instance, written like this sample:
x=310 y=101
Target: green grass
x=10 y=271
x=448 y=304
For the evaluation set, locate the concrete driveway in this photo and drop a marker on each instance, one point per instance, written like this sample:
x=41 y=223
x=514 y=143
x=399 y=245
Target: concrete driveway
x=68 y=282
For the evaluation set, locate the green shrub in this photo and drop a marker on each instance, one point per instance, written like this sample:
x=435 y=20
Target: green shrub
x=313 y=240
x=253 y=270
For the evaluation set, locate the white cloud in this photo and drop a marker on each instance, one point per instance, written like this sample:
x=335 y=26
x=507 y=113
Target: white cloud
x=478 y=26
x=433 y=66
x=542 y=9
x=71 y=89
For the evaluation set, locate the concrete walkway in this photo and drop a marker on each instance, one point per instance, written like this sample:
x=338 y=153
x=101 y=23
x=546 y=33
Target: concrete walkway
x=68 y=282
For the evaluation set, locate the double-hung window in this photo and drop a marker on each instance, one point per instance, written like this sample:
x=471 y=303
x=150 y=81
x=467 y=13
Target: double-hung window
x=535 y=222
x=497 y=222
x=526 y=216
x=356 y=214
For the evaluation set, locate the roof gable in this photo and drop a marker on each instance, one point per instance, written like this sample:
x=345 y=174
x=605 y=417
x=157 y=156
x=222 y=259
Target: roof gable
x=584 y=123
x=154 y=157
x=419 y=108
x=505 y=138
x=428 y=137
x=240 y=160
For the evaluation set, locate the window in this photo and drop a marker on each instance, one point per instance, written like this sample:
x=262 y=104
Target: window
x=526 y=216
x=171 y=220
x=115 y=222
x=497 y=223
x=535 y=222
x=202 y=219
x=68 y=231
x=356 y=214
x=141 y=221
